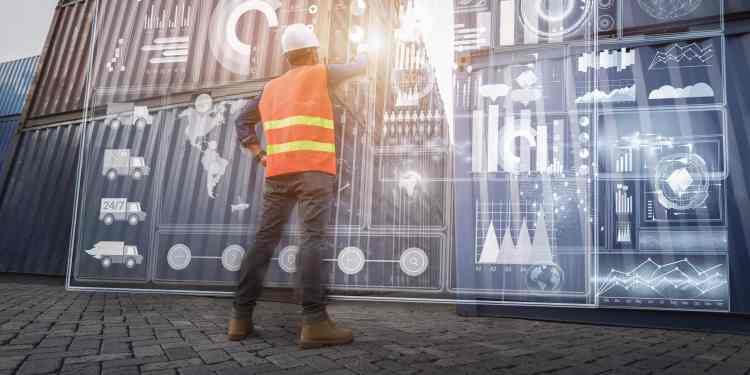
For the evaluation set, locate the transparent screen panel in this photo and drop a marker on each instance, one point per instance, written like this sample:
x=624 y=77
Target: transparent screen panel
x=524 y=158
x=553 y=153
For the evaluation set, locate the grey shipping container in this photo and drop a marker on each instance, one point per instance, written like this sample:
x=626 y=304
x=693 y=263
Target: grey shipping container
x=37 y=203
x=33 y=206
x=127 y=65
x=8 y=126
x=15 y=79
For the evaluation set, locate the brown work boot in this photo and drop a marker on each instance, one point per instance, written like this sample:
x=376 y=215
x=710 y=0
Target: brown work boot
x=239 y=329
x=323 y=333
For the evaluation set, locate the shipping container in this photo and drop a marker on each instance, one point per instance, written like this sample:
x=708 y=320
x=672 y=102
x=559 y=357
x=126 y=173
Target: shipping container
x=158 y=48
x=37 y=201
x=15 y=79
x=8 y=127
x=203 y=193
x=418 y=214
x=58 y=87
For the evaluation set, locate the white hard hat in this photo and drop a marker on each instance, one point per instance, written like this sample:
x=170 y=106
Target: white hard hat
x=298 y=36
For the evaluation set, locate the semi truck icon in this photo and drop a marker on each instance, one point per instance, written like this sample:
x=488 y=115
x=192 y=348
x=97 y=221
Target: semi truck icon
x=127 y=114
x=119 y=209
x=121 y=163
x=115 y=252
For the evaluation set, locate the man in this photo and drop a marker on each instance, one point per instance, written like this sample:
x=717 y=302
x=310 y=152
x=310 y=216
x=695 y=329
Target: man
x=297 y=116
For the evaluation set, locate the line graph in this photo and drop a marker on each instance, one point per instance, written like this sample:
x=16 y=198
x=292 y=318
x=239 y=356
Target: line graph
x=676 y=56
x=679 y=279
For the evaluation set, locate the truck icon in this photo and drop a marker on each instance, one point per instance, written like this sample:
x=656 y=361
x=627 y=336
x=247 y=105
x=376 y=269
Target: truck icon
x=121 y=163
x=119 y=209
x=128 y=114
x=115 y=252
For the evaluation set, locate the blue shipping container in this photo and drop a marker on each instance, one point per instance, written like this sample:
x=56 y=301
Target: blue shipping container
x=15 y=79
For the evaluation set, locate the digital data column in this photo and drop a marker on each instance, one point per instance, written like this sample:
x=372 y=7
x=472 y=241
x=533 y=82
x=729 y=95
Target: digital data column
x=524 y=156
x=662 y=143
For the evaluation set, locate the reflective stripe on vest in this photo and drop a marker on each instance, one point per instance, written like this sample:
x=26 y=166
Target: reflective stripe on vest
x=297 y=116
x=300 y=146
x=298 y=120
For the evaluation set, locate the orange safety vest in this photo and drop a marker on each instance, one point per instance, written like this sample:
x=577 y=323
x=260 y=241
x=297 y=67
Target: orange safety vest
x=297 y=116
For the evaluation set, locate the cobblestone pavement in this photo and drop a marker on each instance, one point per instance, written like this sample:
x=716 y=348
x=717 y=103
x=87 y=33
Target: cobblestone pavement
x=44 y=329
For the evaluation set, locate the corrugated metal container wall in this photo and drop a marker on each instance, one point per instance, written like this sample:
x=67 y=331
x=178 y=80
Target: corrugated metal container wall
x=8 y=126
x=35 y=213
x=15 y=79
x=39 y=207
x=212 y=60
x=59 y=86
x=128 y=63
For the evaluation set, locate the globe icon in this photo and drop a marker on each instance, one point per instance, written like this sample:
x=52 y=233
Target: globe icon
x=669 y=9
x=544 y=277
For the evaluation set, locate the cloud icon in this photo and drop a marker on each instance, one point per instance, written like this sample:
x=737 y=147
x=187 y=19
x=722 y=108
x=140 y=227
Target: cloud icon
x=699 y=90
x=494 y=91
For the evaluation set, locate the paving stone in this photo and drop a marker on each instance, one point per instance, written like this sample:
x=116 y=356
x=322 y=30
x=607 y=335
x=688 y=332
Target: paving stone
x=724 y=369
x=45 y=329
x=84 y=343
x=27 y=339
x=89 y=370
x=325 y=351
x=114 y=348
x=213 y=356
x=148 y=351
x=257 y=346
x=96 y=358
x=55 y=341
x=237 y=371
x=278 y=350
x=41 y=366
x=36 y=354
x=247 y=359
x=131 y=370
x=220 y=345
x=182 y=352
x=132 y=361
x=321 y=363
x=340 y=372
x=358 y=365
x=10 y=363
x=160 y=372
x=172 y=364
x=208 y=369
x=284 y=361
x=81 y=369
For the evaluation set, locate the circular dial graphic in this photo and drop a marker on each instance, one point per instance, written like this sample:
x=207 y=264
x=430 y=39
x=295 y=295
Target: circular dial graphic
x=555 y=18
x=178 y=257
x=682 y=181
x=231 y=258
x=414 y=262
x=228 y=48
x=606 y=4
x=606 y=23
x=351 y=260
x=288 y=259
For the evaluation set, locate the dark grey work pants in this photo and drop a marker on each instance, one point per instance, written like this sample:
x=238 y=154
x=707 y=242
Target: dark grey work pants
x=313 y=191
